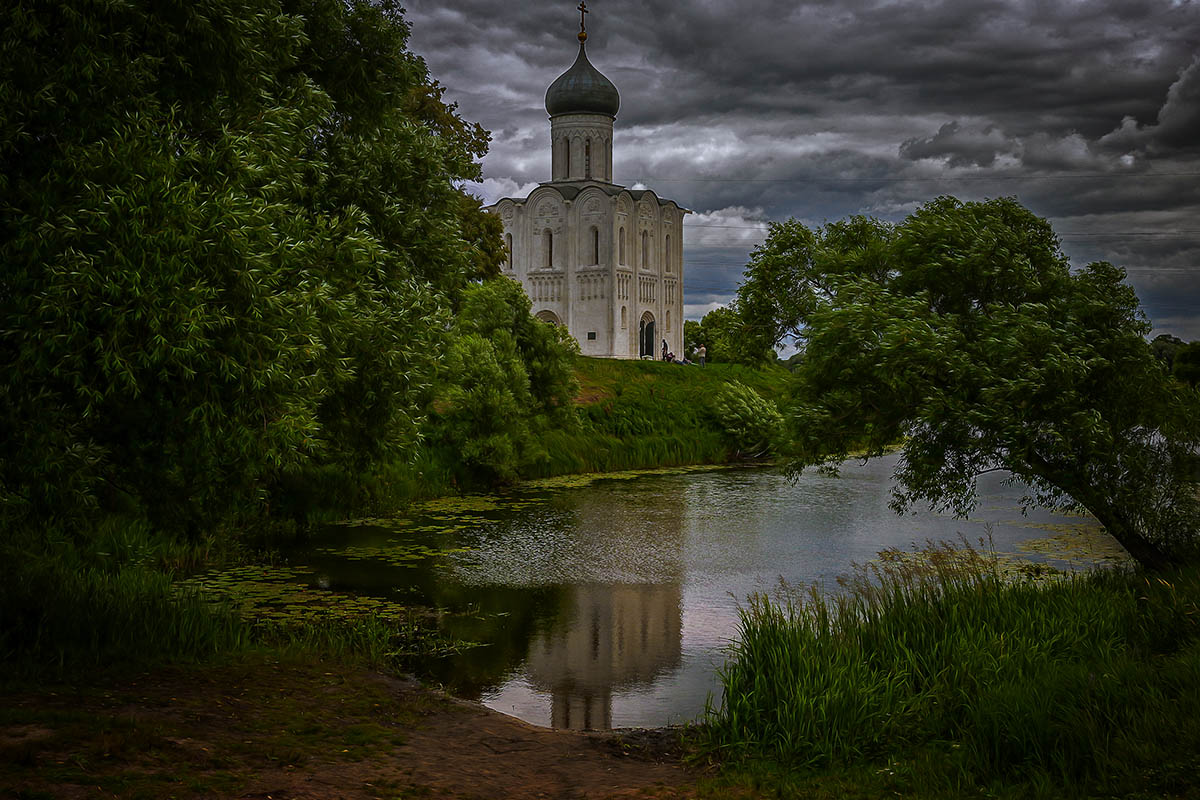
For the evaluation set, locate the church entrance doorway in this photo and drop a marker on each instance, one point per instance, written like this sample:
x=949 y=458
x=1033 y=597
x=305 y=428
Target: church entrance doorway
x=646 y=335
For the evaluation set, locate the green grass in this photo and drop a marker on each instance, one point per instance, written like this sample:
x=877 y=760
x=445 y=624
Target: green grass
x=114 y=601
x=107 y=600
x=939 y=676
x=646 y=414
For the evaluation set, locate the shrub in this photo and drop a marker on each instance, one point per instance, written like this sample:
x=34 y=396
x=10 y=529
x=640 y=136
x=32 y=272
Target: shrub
x=752 y=425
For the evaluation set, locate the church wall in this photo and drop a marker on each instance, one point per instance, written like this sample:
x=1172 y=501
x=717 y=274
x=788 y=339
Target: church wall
x=591 y=214
x=548 y=252
x=594 y=292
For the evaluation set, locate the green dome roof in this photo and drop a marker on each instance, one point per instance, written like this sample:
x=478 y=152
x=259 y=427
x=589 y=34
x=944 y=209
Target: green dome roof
x=582 y=90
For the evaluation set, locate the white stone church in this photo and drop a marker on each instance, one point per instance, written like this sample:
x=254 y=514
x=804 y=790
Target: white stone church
x=603 y=260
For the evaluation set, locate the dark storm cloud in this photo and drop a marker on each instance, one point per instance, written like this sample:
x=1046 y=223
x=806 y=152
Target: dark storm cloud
x=962 y=147
x=1178 y=121
x=1088 y=112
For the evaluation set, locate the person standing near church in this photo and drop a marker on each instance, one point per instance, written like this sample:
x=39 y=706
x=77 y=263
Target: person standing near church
x=702 y=352
x=665 y=351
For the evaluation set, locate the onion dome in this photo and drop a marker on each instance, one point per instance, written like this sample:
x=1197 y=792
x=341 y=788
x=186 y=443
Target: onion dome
x=582 y=90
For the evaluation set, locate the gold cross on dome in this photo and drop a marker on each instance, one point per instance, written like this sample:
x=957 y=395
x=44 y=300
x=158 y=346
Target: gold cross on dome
x=582 y=10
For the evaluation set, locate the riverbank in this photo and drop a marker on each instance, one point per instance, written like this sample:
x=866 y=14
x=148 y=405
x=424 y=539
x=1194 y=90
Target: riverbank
x=78 y=611
x=287 y=727
x=626 y=415
x=73 y=602
x=108 y=608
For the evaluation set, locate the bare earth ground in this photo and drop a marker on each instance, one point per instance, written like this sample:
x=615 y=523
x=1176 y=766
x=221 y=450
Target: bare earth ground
x=299 y=731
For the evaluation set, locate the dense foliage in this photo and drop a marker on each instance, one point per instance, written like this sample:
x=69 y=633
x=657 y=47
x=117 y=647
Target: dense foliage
x=508 y=378
x=729 y=337
x=1186 y=364
x=964 y=333
x=229 y=234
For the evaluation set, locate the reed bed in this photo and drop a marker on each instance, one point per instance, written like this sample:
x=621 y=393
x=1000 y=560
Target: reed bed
x=1090 y=680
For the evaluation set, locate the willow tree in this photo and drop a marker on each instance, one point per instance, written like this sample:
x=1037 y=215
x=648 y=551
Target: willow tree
x=229 y=232
x=964 y=334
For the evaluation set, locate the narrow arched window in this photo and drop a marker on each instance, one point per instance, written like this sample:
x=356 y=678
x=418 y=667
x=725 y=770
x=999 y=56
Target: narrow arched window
x=667 y=256
x=548 y=246
x=645 y=249
x=566 y=157
x=508 y=249
x=587 y=159
x=595 y=245
x=621 y=246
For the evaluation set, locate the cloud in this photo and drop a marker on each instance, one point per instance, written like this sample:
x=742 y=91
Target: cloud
x=1178 y=121
x=492 y=190
x=1087 y=112
x=960 y=146
x=697 y=311
x=732 y=226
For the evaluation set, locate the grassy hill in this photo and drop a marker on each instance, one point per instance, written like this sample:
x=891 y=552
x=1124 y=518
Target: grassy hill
x=645 y=414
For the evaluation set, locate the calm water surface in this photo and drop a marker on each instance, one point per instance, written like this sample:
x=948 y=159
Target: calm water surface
x=611 y=605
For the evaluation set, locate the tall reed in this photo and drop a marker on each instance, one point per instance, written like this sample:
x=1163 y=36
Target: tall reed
x=1082 y=679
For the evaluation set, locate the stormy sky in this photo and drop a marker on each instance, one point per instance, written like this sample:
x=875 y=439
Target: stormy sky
x=1087 y=111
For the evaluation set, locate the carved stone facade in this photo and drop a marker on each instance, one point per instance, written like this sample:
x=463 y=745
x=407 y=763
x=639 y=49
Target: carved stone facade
x=601 y=259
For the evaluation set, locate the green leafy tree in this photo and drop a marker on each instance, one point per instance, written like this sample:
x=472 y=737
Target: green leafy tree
x=964 y=334
x=1165 y=346
x=229 y=231
x=792 y=362
x=509 y=376
x=693 y=337
x=727 y=338
x=1186 y=364
x=719 y=328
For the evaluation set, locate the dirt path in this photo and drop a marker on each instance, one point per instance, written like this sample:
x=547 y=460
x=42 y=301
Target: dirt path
x=302 y=731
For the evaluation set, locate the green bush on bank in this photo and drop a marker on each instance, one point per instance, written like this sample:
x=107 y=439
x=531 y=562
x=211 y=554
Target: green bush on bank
x=1086 y=683
x=752 y=425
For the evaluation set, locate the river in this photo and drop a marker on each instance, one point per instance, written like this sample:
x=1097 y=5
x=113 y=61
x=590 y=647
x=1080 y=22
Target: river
x=611 y=602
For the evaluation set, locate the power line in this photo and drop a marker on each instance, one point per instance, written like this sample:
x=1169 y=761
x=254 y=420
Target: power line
x=1180 y=232
x=938 y=179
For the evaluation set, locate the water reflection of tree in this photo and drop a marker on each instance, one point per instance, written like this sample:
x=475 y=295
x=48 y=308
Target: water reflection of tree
x=505 y=619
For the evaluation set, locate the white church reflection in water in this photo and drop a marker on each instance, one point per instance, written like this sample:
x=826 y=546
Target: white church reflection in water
x=619 y=637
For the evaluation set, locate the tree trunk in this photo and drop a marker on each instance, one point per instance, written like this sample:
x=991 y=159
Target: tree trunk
x=1148 y=555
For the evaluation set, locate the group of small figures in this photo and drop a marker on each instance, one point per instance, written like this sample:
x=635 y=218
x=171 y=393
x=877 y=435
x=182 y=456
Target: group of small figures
x=670 y=358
